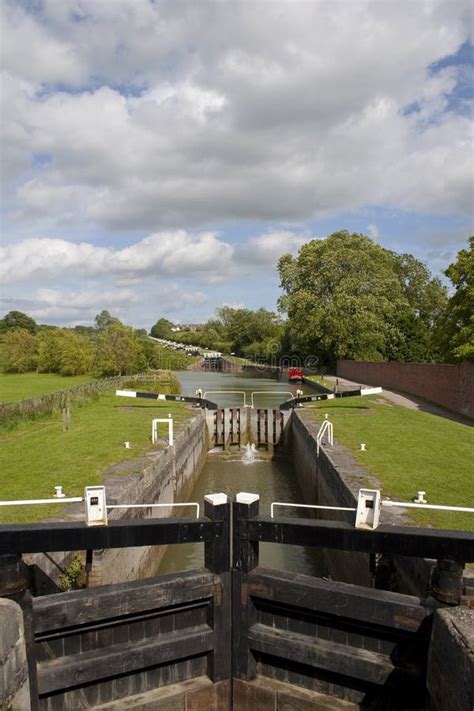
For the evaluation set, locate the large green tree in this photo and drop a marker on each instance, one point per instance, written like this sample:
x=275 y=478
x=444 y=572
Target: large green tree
x=455 y=328
x=19 y=351
x=17 y=319
x=104 y=320
x=118 y=351
x=162 y=329
x=348 y=297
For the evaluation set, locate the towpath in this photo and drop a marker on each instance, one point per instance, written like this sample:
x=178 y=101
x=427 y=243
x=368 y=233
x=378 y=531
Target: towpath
x=411 y=402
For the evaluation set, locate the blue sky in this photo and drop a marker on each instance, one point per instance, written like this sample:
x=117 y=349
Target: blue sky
x=159 y=157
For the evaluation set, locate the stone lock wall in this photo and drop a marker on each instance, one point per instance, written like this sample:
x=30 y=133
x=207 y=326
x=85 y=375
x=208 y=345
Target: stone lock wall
x=161 y=476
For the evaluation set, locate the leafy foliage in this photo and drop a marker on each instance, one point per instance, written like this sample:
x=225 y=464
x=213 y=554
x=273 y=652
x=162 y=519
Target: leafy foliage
x=118 y=351
x=252 y=334
x=19 y=351
x=347 y=297
x=162 y=329
x=455 y=331
x=16 y=319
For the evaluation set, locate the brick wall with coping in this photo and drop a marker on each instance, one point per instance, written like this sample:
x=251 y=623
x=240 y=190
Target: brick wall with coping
x=450 y=386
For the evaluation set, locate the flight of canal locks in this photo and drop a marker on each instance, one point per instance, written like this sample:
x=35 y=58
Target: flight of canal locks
x=247 y=561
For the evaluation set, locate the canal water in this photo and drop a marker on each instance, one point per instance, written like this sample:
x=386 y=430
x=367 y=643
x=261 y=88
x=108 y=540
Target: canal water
x=255 y=472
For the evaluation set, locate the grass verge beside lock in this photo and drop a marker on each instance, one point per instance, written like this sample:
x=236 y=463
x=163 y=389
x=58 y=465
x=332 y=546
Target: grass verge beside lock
x=408 y=451
x=37 y=456
x=20 y=387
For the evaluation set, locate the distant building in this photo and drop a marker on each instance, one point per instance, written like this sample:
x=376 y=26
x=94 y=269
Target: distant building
x=187 y=327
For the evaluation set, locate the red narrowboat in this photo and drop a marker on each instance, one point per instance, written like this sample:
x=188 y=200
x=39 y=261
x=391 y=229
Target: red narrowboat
x=295 y=375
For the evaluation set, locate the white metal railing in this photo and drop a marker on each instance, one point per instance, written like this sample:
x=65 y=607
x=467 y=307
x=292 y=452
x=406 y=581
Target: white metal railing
x=95 y=504
x=325 y=429
x=154 y=506
x=435 y=507
x=227 y=392
x=35 y=502
x=269 y=392
x=307 y=506
x=370 y=505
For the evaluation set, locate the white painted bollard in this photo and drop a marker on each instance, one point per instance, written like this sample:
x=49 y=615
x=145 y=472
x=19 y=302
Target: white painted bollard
x=127 y=445
x=59 y=492
x=362 y=447
x=420 y=498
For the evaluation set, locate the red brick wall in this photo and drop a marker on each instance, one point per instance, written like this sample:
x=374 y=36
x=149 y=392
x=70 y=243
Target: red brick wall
x=451 y=386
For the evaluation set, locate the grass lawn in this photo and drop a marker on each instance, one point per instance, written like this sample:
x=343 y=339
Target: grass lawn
x=408 y=451
x=14 y=386
x=236 y=359
x=37 y=456
x=321 y=381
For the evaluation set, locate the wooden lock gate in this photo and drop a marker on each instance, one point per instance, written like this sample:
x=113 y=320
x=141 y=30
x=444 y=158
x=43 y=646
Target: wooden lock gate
x=231 y=635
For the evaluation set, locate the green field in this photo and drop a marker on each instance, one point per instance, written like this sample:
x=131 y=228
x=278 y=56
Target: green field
x=37 y=456
x=321 y=381
x=236 y=359
x=408 y=451
x=19 y=387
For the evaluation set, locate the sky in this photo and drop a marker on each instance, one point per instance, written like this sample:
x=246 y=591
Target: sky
x=158 y=157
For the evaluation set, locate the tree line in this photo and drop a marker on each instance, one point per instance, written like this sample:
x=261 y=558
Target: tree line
x=346 y=297
x=343 y=297
x=109 y=348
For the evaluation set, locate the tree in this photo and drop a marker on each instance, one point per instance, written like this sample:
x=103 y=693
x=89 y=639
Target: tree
x=344 y=296
x=16 y=319
x=162 y=329
x=104 y=320
x=49 y=350
x=19 y=353
x=455 y=329
x=427 y=299
x=118 y=351
x=76 y=354
x=243 y=328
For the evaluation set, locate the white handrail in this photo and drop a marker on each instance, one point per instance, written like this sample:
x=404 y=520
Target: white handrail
x=154 y=506
x=326 y=428
x=34 y=502
x=154 y=429
x=270 y=392
x=308 y=506
x=436 y=507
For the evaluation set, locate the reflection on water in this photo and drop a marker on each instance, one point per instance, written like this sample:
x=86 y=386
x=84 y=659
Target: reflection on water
x=275 y=392
x=273 y=480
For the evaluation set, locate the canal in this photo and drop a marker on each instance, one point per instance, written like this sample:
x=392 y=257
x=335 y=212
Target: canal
x=258 y=472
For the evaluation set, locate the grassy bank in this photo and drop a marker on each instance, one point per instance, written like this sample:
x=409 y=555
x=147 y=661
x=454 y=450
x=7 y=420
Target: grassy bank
x=15 y=386
x=37 y=456
x=408 y=451
x=321 y=381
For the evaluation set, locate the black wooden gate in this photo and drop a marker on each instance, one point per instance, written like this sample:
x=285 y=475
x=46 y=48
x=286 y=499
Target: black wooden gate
x=239 y=636
x=296 y=636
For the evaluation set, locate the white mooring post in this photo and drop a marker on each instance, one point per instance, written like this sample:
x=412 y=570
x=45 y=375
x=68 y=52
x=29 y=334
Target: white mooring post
x=154 y=430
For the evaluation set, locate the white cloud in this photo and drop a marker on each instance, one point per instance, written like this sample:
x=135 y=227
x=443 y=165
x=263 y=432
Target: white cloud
x=160 y=254
x=373 y=231
x=266 y=249
x=295 y=115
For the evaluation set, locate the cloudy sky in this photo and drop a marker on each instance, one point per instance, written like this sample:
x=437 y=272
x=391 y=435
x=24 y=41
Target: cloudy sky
x=159 y=156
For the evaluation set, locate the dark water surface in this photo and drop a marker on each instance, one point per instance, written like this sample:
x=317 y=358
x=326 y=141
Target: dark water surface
x=272 y=479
